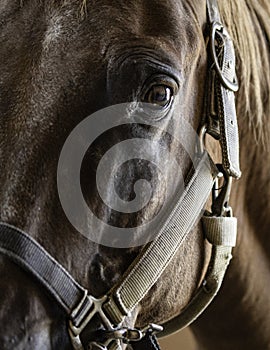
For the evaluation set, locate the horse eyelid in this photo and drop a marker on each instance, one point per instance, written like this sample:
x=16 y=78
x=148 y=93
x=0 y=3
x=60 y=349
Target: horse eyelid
x=165 y=80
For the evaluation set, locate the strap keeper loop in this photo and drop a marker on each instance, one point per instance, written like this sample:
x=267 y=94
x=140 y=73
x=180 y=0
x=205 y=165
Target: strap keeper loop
x=220 y=231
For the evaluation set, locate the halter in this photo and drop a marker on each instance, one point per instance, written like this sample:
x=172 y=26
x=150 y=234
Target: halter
x=107 y=314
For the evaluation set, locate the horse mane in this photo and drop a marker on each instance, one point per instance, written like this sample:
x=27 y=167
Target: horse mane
x=249 y=25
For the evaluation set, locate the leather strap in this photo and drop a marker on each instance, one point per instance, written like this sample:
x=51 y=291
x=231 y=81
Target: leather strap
x=222 y=84
x=213 y=11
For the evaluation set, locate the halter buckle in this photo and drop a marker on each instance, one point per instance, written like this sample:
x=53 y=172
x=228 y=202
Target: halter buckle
x=227 y=76
x=133 y=334
x=201 y=141
x=110 y=336
x=221 y=193
x=82 y=315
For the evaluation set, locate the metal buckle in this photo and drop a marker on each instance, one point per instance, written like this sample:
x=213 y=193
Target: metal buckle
x=223 y=33
x=133 y=334
x=111 y=335
x=152 y=329
x=94 y=307
x=201 y=141
x=221 y=194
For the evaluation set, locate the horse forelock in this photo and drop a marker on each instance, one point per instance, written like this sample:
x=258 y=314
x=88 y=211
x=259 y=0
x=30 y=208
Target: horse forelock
x=249 y=25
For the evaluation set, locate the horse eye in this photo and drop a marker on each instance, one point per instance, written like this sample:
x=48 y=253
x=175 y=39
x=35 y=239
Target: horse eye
x=159 y=95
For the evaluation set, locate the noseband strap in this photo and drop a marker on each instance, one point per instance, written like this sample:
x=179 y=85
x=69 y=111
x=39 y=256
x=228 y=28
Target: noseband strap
x=114 y=307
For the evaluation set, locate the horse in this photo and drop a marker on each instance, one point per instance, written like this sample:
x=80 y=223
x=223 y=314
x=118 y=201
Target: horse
x=62 y=61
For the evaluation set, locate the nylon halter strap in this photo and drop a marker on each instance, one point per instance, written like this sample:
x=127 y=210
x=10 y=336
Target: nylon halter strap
x=219 y=226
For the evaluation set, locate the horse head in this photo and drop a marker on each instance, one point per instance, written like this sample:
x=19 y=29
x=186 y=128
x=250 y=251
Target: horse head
x=131 y=73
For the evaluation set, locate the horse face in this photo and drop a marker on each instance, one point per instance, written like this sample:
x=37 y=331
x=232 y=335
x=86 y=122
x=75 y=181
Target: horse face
x=58 y=67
